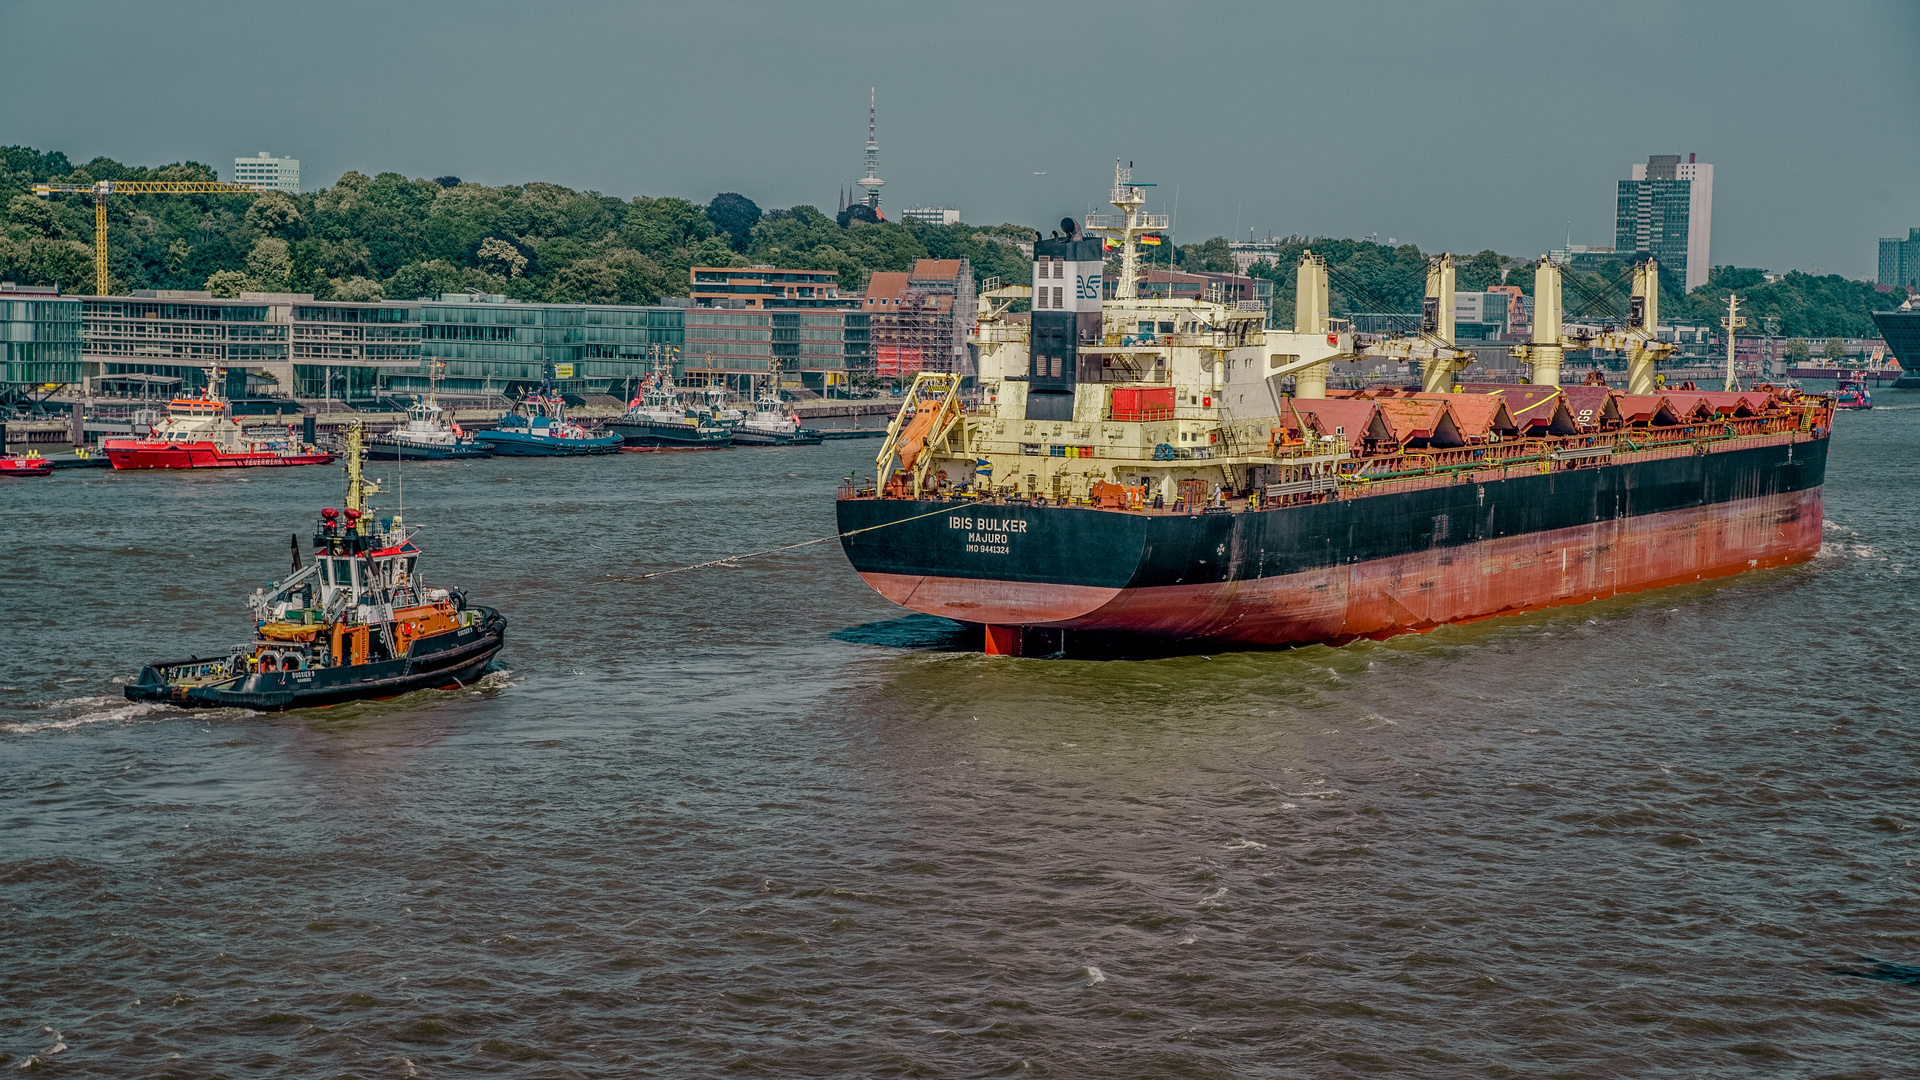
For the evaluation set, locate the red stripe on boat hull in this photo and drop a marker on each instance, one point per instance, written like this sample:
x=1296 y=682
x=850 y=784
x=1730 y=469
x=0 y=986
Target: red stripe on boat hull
x=1410 y=592
x=199 y=455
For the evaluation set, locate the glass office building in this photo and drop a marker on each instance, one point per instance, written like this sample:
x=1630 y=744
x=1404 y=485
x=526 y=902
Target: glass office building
x=40 y=338
x=162 y=343
x=494 y=345
x=294 y=345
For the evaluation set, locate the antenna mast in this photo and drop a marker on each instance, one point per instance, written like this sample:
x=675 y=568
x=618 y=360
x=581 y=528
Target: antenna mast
x=872 y=181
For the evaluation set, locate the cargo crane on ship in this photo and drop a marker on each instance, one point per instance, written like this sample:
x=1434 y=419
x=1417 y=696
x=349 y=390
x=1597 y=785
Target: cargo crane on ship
x=1634 y=332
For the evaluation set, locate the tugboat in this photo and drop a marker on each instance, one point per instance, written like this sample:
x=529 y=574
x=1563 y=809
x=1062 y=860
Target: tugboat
x=357 y=622
x=27 y=464
x=538 y=427
x=770 y=425
x=201 y=433
x=656 y=420
x=1853 y=394
x=427 y=436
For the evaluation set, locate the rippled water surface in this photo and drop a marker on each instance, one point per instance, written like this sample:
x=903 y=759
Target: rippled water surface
x=752 y=821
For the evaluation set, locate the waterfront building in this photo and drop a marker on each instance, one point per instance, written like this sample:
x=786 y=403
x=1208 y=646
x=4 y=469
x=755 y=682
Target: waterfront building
x=349 y=350
x=1666 y=210
x=40 y=341
x=489 y=344
x=919 y=319
x=765 y=287
x=1900 y=261
x=725 y=343
x=156 y=343
x=280 y=174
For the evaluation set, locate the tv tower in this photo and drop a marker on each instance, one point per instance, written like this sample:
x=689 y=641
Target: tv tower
x=872 y=180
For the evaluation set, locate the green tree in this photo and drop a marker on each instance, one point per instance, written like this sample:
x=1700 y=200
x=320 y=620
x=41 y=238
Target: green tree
x=228 y=284
x=1835 y=349
x=735 y=215
x=1212 y=256
x=32 y=217
x=1480 y=272
x=655 y=226
x=66 y=263
x=1798 y=351
x=274 y=214
x=268 y=264
x=501 y=257
x=357 y=288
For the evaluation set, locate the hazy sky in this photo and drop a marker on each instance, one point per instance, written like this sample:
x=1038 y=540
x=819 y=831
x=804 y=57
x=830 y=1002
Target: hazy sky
x=1455 y=126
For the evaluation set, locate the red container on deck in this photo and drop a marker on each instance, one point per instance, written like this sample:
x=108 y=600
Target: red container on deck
x=1143 y=403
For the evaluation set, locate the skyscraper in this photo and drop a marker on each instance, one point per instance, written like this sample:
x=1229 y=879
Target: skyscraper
x=1666 y=211
x=1900 y=260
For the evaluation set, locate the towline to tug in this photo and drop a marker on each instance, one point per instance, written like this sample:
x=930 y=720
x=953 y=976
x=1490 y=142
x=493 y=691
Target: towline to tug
x=357 y=621
x=1174 y=469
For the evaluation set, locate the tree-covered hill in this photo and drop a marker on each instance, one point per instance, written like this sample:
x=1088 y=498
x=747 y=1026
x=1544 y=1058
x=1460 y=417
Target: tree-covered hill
x=388 y=236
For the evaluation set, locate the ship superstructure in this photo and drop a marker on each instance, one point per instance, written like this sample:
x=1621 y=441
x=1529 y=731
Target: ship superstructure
x=1174 y=467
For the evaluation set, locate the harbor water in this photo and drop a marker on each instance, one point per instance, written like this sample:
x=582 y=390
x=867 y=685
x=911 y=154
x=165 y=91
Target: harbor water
x=752 y=820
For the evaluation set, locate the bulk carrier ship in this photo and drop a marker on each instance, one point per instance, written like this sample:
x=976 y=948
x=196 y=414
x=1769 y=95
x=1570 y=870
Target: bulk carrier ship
x=1173 y=468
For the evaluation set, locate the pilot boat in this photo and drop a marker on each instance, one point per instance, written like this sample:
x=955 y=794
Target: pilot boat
x=656 y=420
x=358 y=621
x=201 y=433
x=538 y=427
x=1853 y=394
x=427 y=436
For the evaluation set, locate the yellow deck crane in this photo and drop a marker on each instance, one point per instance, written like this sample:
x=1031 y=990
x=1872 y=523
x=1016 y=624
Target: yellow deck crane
x=104 y=188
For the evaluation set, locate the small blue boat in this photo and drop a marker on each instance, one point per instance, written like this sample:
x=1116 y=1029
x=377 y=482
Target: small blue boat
x=538 y=427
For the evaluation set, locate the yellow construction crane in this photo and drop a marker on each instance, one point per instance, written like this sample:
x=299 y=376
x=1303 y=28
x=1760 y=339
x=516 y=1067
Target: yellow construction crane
x=104 y=188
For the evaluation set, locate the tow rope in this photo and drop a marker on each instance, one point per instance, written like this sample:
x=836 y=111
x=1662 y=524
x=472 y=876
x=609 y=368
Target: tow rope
x=789 y=547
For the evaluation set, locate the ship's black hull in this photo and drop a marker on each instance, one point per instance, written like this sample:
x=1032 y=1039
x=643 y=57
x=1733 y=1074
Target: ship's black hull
x=650 y=436
x=1360 y=565
x=451 y=659
x=379 y=449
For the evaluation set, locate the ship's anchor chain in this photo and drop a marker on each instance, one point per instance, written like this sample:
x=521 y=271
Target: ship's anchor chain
x=731 y=559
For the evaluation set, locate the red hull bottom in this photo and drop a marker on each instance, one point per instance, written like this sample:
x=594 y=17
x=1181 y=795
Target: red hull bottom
x=205 y=455
x=1406 y=593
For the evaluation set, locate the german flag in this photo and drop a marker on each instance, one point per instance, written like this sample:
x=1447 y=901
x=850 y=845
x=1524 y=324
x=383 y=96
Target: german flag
x=1150 y=241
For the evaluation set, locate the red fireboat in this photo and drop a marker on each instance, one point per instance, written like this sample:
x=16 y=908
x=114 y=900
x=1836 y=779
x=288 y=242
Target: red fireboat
x=201 y=433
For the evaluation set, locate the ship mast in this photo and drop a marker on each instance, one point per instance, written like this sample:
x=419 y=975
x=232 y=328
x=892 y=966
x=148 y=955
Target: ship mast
x=1127 y=226
x=1732 y=322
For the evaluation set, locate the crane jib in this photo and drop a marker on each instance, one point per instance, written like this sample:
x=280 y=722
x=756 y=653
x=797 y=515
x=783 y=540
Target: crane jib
x=102 y=188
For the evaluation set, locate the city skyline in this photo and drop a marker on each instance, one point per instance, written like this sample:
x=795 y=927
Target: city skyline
x=1248 y=127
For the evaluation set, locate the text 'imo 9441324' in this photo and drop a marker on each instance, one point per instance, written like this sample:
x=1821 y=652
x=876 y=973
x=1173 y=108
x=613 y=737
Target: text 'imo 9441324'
x=1177 y=469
